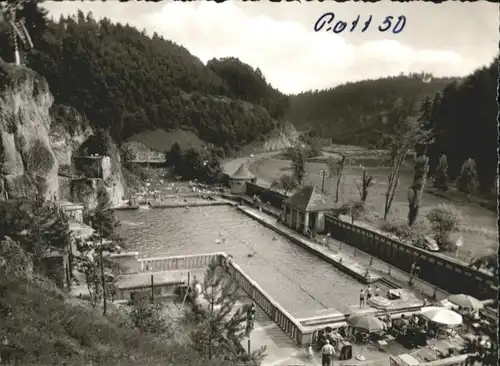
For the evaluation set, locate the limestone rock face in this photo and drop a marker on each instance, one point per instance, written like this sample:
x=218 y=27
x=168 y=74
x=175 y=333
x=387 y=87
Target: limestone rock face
x=36 y=150
x=286 y=137
x=28 y=165
x=67 y=135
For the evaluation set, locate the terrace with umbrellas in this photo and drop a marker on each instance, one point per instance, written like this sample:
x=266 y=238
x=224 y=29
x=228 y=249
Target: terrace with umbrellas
x=437 y=335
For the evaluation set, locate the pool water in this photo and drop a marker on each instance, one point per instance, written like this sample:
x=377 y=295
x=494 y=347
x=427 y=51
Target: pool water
x=298 y=280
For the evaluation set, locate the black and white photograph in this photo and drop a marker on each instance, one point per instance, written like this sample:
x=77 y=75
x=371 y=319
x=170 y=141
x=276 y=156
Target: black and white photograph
x=249 y=183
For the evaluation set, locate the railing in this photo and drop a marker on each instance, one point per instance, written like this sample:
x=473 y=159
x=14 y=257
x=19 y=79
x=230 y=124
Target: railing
x=280 y=316
x=177 y=262
x=283 y=319
x=159 y=290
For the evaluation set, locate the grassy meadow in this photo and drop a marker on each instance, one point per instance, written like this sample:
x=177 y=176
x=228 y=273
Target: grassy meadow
x=479 y=232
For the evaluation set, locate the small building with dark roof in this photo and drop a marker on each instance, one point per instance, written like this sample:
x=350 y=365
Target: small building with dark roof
x=305 y=210
x=239 y=180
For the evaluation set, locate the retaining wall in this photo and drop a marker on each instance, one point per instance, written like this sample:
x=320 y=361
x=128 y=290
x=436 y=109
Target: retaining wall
x=444 y=272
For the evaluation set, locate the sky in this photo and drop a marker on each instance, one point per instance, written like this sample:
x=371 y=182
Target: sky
x=449 y=39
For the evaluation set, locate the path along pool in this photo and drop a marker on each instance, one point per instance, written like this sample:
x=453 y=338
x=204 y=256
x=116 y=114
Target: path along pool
x=298 y=280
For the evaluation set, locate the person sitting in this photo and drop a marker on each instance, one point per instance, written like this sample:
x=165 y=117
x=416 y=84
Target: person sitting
x=404 y=320
x=414 y=320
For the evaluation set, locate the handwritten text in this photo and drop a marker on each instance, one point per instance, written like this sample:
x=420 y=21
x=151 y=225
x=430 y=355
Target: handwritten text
x=328 y=23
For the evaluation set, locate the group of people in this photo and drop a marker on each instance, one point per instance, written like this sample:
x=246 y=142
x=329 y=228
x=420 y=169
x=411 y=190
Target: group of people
x=366 y=294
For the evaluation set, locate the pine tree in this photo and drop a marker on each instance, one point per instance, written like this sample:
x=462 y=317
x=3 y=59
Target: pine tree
x=467 y=180
x=219 y=328
x=38 y=226
x=104 y=239
x=441 y=180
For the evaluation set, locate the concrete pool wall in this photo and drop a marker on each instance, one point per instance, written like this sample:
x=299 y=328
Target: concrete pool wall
x=301 y=331
x=280 y=316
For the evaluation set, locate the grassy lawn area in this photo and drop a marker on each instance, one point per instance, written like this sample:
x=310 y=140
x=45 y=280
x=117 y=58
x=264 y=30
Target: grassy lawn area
x=480 y=235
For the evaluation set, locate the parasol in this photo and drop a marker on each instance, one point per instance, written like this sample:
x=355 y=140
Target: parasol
x=368 y=323
x=441 y=315
x=466 y=301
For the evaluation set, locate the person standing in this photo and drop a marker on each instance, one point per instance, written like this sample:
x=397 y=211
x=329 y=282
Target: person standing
x=412 y=270
x=327 y=353
x=250 y=321
x=368 y=293
x=362 y=298
x=416 y=272
x=377 y=291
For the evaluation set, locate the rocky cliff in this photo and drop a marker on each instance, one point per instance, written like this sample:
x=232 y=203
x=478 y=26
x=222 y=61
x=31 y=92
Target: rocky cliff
x=38 y=143
x=28 y=166
x=286 y=136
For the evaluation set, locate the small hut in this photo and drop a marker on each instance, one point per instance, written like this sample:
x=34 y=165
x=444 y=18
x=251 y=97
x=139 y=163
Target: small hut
x=306 y=209
x=238 y=181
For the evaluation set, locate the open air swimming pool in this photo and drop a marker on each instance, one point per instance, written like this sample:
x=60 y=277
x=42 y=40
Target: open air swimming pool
x=298 y=280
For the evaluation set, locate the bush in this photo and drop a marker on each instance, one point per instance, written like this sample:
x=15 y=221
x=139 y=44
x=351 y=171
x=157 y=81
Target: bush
x=467 y=181
x=404 y=232
x=444 y=220
x=14 y=261
x=148 y=316
x=354 y=209
x=308 y=151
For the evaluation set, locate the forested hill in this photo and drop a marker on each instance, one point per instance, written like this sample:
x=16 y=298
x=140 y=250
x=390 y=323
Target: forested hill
x=354 y=112
x=125 y=81
x=464 y=119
